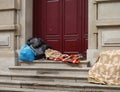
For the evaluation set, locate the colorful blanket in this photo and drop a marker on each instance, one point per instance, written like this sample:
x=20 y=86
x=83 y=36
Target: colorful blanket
x=106 y=70
x=58 y=56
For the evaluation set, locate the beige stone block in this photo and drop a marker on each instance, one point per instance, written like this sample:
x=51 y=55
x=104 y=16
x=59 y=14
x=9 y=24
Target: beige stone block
x=100 y=89
x=10 y=85
x=4 y=40
x=7 y=17
x=6 y=62
x=92 y=55
x=7 y=41
x=111 y=22
x=8 y=27
x=109 y=10
x=5 y=77
x=109 y=36
x=6 y=4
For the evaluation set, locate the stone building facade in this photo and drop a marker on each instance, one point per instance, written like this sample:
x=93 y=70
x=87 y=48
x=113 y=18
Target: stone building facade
x=16 y=27
x=104 y=27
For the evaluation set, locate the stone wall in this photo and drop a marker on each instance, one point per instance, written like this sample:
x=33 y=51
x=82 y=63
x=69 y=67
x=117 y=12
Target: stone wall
x=8 y=30
x=15 y=28
x=104 y=27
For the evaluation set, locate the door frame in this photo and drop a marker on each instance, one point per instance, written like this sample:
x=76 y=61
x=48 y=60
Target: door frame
x=27 y=27
x=83 y=7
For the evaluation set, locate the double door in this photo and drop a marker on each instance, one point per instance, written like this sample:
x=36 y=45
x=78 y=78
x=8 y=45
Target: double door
x=63 y=24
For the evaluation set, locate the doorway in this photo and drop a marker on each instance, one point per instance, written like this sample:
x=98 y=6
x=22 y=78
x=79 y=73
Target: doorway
x=63 y=24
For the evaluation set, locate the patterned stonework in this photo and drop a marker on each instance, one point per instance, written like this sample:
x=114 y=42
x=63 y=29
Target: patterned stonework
x=106 y=70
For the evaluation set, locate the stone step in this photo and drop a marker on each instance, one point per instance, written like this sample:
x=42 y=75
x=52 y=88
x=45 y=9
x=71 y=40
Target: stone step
x=50 y=70
x=43 y=77
x=61 y=86
x=6 y=89
x=48 y=63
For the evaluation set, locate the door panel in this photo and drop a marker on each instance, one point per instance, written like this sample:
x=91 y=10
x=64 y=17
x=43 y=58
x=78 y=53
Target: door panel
x=70 y=17
x=63 y=24
x=53 y=20
x=71 y=46
x=71 y=33
x=37 y=18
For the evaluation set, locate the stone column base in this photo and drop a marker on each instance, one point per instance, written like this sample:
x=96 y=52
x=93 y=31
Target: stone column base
x=7 y=59
x=92 y=55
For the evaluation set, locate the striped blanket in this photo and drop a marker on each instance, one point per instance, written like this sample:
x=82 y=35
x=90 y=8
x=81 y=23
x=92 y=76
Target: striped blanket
x=58 y=56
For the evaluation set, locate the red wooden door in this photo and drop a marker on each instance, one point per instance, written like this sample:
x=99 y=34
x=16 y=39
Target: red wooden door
x=63 y=24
